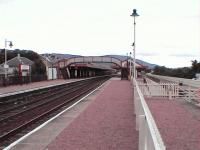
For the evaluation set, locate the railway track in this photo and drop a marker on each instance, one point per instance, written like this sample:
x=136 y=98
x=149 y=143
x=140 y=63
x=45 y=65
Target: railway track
x=21 y=113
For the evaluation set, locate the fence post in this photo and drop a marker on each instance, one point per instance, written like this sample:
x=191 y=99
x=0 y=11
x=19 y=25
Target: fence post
x=137 y=113
x=142 y=132
x=170 y=92
x=177 y=90
x=149 y=142
x=189 y=92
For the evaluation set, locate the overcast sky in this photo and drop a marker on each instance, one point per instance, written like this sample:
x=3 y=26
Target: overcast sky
x=167 y=31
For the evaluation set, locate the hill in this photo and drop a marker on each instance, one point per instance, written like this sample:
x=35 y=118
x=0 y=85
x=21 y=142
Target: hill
x=144 y=63
x=151 y=66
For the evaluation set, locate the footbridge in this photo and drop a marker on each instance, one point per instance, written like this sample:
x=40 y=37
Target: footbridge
x=90 y=59
x=88 y=66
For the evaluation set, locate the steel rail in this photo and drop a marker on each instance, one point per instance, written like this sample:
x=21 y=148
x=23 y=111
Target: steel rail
x=34 y=99
x=44 y=102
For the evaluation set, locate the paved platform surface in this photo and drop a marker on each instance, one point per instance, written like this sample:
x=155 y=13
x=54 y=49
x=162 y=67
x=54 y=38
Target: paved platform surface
x=104 y=120
x=178 y=122
x=107 y=124
x=16 y=88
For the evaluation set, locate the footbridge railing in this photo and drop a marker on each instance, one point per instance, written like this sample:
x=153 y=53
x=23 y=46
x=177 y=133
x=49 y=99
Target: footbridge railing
x=149 y=136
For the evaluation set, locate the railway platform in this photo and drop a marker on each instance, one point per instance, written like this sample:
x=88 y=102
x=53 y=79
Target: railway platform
x=105 y=120
x=178 y=122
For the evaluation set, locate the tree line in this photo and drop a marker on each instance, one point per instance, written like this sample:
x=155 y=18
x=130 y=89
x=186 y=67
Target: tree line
x=184 y=72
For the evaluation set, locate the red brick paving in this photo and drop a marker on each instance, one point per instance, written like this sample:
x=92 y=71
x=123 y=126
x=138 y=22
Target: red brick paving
x=178 y=125
x=107 y=124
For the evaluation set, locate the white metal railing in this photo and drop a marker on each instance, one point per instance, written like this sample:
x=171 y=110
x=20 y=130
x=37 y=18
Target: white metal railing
x=190 y=94
x=170 y=90
x=149 y=136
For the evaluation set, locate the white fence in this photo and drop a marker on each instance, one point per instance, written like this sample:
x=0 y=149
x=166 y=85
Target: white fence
x=190 y=94
x=151 y=88
x=149 y=136
x=170 y=90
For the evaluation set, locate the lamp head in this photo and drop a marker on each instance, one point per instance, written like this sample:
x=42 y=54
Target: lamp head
x=134 y=14
x=11 y=44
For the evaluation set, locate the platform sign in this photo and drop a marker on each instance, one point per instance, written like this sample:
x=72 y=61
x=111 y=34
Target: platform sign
x=25 y=67
x=24 y=70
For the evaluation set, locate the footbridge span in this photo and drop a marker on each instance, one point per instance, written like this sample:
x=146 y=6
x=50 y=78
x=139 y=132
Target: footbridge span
x=87 y=66
x=89 y=59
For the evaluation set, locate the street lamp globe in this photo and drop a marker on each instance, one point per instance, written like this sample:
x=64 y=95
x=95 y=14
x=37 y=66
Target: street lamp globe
x=11 y=44
x=5 y=64
x=134 y=14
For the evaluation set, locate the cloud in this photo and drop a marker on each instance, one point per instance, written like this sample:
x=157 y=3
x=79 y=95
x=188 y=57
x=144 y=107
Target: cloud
x=147 y=54
x=183 y=55
x=6 y=1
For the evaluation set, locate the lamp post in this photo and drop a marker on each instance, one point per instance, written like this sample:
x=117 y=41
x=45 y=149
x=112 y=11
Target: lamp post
x=127 y=60
x=130 y=66
x=134 y=66
x=127 y=66
x=134 y=15
x=5 y=64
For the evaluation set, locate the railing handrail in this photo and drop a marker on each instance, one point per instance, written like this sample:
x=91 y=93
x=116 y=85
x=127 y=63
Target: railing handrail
x=155 y=134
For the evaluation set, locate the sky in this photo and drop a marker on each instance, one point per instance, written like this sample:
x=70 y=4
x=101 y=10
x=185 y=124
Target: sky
x=167 y=31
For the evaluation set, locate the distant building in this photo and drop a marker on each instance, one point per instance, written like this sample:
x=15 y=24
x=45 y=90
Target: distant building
x=140 y=68
x=17 y=66
x=51 y=70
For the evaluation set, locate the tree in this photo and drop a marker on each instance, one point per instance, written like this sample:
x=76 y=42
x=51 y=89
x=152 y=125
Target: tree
x=195 y=66
x=38 y=68
x=185 y=72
